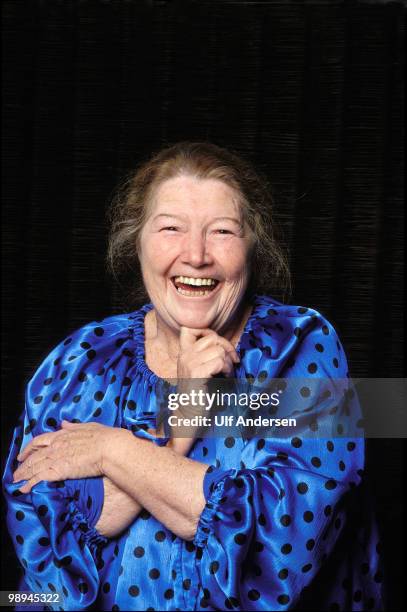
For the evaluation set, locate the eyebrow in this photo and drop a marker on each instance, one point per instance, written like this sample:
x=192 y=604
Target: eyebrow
x=173 y=216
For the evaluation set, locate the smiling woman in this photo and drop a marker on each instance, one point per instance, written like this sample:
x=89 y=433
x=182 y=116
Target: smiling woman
x=114 y=515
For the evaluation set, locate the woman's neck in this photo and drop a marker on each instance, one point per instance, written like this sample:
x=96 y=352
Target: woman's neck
x=166 y=339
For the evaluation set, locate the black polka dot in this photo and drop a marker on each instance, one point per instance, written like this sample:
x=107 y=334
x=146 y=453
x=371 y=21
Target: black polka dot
x=316 y=462
x=99 y=395
x=351 y=446
x=230 y=603
x=139 y=551
x=283 y=573
x=42 y=510
x=306 y=568
x=41 y=566
x=240 y=538
x=63 y=375
x=312 y=368
x=91 y=354
x=134 y=590
x=169 y=594
x=214 y=566
x=310 y=544
x=85 y=345
x=308 y=516
x=335 y=362
x=296 y=442
x=325 y=330
x=262 y=520
x=51 y=422
x=286 y=549
x=330 y=484
x=253 y=595
x=237 y=515
x=258 y=547
x=47 y=381
x=154 y=573
x=330 y=446
x=186 y=584
x=20 y=516
x=285 y=520
x=302 y=488
x=97 y=412
x=260 y=444
x=56 y=397
x=229 y=442
x=160 y=536
x=283 y=599
x=43 y=542
x=106 y=587
x=262 y=376
x=38 y=399
x=305 y=392
x=76 y=399
x=342 y=466
x=327 y=510
x=99 y=331
x=319 y=347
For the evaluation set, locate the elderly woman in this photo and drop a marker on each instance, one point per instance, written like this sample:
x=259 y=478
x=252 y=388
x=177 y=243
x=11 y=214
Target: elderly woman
x=103 y=509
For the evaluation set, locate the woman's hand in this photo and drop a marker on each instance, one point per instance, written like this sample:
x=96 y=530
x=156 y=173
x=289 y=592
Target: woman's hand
x=75 y=451
x=203 y=354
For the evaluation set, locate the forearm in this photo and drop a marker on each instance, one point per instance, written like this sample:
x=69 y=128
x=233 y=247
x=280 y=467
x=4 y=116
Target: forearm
x=118 y=512
x=160 y=480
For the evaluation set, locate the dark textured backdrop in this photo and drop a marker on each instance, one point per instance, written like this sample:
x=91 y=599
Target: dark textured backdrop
x=311 y=91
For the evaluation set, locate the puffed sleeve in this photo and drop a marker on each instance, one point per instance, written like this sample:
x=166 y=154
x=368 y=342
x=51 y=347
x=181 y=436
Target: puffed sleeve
x=53 y=526
x=267 y=527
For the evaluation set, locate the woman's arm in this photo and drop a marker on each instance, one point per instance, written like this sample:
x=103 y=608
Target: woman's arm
x=168 y=485
x=119 y=508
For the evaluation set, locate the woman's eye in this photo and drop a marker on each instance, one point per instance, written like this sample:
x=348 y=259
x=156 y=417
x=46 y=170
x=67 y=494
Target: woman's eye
x=170 y=228
x=222 y=231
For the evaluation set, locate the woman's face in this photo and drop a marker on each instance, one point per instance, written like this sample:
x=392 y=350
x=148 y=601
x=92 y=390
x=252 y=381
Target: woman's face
x=194 y=253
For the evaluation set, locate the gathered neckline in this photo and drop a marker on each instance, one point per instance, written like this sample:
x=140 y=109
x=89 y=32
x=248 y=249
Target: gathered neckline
x=138 y=320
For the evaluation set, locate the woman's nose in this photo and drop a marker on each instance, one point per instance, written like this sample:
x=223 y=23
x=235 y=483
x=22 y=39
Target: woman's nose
x=195 y=251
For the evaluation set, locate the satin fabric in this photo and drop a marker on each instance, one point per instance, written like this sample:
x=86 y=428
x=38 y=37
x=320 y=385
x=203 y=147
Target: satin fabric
x=284 y=526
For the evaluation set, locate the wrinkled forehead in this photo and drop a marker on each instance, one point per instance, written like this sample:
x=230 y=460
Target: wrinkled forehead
x=191 y=196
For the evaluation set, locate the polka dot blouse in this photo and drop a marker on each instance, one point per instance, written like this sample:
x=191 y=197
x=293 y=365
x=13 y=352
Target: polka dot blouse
x=285 y=525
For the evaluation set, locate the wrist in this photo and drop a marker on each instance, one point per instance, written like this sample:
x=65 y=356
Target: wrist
x=115 y=445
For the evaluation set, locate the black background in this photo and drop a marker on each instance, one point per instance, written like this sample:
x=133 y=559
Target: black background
x=311 y=91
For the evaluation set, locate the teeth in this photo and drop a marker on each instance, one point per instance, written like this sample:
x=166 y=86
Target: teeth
x=197 y=282
x=192 y=293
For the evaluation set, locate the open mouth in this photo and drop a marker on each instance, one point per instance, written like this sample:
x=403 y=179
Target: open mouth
x=195 y=287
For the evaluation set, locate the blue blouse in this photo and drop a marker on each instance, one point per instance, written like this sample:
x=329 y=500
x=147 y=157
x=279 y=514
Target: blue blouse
x=279 y=529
